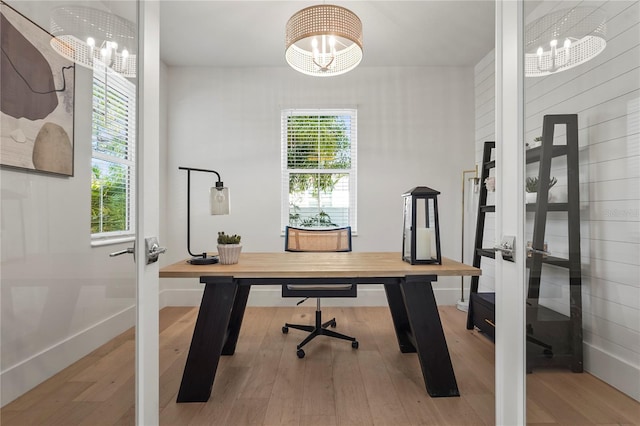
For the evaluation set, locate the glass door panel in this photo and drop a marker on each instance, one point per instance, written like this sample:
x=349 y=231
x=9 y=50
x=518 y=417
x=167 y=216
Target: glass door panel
x=582 y=230
x=67 y=136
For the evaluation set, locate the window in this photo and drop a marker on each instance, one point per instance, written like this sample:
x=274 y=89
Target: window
x=113 y=141
x=319 y=168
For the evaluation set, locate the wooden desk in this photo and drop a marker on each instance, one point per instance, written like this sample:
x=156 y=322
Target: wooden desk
x=408 y=289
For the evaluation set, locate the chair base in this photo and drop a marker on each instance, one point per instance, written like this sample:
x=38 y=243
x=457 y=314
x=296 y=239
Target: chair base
x=319 y=329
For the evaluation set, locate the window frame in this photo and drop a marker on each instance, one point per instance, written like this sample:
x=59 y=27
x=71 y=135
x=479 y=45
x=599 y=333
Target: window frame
x=351 y=171
x=112 y=82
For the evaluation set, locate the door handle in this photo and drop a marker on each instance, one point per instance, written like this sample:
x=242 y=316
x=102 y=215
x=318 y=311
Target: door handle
x=152 y=249
x=507 y=247
x=151 y=252
x=125 y=251
x=156 y=250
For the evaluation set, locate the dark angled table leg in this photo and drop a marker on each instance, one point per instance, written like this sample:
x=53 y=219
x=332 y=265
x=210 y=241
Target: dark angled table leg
x=400 y=318
x=433 y=352
x=208 y=339
x=235 y=322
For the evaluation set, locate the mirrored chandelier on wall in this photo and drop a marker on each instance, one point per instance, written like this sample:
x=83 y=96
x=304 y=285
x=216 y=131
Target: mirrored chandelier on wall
x=564 y=39
x=91 y=36
x=323 y=40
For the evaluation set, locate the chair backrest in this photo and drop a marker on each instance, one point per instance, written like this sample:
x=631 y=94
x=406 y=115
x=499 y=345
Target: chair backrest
x=317 y=240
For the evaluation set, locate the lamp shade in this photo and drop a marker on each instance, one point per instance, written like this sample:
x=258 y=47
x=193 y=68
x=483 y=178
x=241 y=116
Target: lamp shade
x=323 y=40
x=421 y=230
x=219 y=200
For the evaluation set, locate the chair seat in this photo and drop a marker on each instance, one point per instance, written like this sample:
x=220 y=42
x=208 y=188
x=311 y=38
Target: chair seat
x=319 y=240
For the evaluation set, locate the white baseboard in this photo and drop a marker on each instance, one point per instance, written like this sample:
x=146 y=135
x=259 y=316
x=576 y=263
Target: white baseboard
x=614 y=371
x=25 y=375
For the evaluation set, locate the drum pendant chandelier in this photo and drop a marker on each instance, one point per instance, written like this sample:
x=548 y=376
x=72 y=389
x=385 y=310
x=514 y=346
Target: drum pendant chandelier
x=94 y=38
x=564 y=39
x=324 y=40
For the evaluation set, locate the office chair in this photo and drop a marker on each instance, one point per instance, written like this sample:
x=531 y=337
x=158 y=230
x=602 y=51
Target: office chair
x=318 y=240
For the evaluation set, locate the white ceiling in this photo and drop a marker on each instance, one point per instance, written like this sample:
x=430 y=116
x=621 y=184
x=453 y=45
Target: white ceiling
x=396 y=33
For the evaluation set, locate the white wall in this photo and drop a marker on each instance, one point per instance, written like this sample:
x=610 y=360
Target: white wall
x=415 y=127
x=60 y=298
x=605 y=93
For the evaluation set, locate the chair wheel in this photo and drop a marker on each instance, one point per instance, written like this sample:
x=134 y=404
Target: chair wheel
x=285 y=329
x=355 y=344
x=300 y=353
x=333 y=324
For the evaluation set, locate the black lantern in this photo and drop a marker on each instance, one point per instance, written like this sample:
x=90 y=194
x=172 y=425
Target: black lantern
x=421 y=234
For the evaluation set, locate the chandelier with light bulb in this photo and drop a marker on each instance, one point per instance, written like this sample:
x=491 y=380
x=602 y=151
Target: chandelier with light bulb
x=90 y=36
x=564 y=39
x=323 y=40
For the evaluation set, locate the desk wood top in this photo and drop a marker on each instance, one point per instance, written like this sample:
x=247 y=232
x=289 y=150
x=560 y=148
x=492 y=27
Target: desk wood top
x=314 y=265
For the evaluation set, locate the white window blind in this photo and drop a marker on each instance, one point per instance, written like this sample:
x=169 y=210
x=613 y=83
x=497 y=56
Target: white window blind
x=113 y=140
x=319 y=167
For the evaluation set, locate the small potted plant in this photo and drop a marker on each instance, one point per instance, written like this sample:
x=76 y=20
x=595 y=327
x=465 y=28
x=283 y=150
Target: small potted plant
x=537 y=141
x=532 y=188
x=229 y=248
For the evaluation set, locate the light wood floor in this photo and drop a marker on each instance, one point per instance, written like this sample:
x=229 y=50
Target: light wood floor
x=264 y=383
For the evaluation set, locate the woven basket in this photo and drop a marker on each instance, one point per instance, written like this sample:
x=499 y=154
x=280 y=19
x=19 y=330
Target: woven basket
x=229 y=253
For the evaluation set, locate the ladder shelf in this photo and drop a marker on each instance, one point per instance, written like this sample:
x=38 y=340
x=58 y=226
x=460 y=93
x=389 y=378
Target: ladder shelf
x=553 y=339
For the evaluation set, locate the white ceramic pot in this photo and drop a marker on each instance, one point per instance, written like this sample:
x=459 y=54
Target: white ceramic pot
x=229 y=253
x=531 y=197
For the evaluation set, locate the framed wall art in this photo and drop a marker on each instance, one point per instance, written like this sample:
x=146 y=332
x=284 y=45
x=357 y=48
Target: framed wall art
x=37 y=98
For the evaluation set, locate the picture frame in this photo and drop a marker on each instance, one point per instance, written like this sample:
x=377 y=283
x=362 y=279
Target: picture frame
x=37 y=98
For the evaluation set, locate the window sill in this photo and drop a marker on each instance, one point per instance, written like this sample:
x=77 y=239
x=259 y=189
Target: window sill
x=100 y=242
x=353 y=234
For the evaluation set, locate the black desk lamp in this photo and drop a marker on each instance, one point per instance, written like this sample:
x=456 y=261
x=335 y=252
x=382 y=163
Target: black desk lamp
x=219 y=203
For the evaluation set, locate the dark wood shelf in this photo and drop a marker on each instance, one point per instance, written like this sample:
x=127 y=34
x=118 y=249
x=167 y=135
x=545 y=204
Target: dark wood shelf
x=534 y=154
x=551 y=207
x=550 y=260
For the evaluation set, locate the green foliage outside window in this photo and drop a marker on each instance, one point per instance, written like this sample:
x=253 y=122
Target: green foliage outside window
x=316 y=142
x=108 y=199
x=113 y=146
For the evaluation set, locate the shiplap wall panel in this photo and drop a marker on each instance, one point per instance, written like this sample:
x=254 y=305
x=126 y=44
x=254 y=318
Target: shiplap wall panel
x=620 y=168
x=622 y=211
x=620 y=189
x=623 y=273
x=608 y=290
x=612 y=231
x=599 y=326
x=605 y=93
x=627 y=351
x=613 y=140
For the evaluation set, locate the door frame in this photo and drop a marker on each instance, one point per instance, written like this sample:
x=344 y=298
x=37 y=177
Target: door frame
x=147 y=362
x=510 y=380
x=510 y=392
